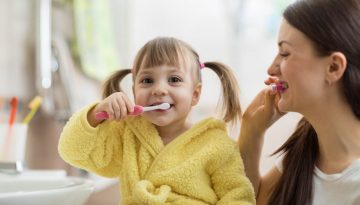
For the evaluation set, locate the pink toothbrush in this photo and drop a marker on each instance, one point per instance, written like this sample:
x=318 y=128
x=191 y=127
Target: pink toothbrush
x=138 y=109
x=280 y=86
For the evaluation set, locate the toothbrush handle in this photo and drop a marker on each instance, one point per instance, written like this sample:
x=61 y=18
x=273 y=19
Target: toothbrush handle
x=277 y=87
x=103 y=115
x=138 y=109
x=13 y=104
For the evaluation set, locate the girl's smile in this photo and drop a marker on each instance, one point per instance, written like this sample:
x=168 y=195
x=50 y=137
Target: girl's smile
x=169 y=84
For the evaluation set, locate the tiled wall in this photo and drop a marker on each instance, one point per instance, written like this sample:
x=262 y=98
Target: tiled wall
x=17 y=78
x=17 y=54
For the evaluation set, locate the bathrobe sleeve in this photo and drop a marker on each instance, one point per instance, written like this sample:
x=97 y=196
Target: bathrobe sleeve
x=229 y=186
x=95 y=149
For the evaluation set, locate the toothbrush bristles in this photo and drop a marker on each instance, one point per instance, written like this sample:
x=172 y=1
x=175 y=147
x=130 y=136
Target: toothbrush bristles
x=280 y=86
x=164 y=106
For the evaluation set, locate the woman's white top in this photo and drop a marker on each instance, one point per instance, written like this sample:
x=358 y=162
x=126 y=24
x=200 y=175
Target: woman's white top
x=335 y=189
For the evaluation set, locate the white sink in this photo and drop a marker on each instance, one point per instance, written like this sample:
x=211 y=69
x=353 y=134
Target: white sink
x=40 y=190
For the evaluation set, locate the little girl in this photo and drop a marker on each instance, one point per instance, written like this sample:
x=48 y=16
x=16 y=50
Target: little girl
x=160 y=156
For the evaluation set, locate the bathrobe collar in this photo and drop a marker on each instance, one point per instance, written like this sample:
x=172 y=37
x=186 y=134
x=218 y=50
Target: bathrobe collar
x=149 y=136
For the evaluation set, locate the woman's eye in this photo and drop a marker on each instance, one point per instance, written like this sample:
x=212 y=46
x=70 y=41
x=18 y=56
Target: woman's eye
x=284 y=55
x=174 y=79
x=146 y=81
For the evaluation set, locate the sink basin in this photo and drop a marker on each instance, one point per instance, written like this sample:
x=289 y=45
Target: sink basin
x=44 y=191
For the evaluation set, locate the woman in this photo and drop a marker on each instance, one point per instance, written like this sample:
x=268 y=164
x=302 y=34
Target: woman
x=319 y=60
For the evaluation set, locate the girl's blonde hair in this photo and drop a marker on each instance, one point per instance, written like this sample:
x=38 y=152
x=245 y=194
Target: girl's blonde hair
x=172 y=51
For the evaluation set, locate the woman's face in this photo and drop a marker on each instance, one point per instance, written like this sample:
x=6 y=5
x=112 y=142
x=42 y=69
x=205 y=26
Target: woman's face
x=298 y=64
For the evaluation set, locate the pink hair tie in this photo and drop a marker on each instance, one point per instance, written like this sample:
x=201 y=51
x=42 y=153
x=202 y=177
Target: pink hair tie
x=202 y=65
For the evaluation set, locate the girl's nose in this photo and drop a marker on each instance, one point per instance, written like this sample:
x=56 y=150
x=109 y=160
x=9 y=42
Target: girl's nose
x=159 y=89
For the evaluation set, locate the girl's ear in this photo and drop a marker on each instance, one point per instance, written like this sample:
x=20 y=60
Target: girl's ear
x=337 y=67
x=196 y=94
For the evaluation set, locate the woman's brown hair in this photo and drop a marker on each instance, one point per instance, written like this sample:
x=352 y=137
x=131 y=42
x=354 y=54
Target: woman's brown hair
x=174 y=52
x=331 y=25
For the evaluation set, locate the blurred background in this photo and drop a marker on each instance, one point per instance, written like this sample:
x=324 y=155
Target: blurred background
x=62 y=50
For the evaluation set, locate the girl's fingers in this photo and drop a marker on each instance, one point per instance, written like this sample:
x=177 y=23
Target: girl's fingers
x=129 y=105
x=123 y=108
x=107 y=107
x=116 y=106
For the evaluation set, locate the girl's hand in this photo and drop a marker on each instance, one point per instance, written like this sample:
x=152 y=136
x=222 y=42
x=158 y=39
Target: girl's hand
x=117 y=106
x=263 y=110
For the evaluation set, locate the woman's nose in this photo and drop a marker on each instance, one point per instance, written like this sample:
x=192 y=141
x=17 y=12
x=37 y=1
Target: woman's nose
x=274 y=68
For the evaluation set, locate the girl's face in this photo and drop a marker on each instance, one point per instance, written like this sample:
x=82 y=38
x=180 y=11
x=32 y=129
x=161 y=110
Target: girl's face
x=298 y=64
x=169 y=84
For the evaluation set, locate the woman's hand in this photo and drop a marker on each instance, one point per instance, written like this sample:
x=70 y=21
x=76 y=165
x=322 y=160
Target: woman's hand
x=257 y=118
x=117 y=106
x=263 y=110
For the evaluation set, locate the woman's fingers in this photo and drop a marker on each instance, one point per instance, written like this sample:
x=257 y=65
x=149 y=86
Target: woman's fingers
x=271 y=106
x=270 y=80
x=257 y=103
x=270 y=102
x=263 y=111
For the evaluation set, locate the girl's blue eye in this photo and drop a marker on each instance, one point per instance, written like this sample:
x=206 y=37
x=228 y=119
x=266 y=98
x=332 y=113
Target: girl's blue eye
x=174 y=79
x=146 y=81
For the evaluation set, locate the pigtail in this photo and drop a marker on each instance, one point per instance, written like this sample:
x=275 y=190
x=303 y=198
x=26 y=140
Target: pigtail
x=295 y=185
x=112 y=84
x=231 y=109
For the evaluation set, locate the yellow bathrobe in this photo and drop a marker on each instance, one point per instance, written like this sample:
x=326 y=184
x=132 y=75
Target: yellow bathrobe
x=200 y=166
